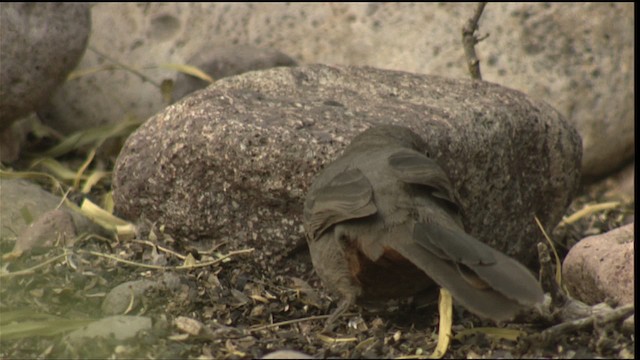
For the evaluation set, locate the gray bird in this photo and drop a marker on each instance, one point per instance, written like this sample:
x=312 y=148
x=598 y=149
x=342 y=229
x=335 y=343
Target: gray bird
x=381 y=222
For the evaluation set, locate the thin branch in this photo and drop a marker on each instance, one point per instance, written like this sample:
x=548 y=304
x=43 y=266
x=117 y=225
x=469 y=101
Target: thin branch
x=469 y=41
x=32 y=269
x=288 y=322
x=547 y=276
x=554 y=332
x=124 y=66
x=293 y=321
x=159 y=267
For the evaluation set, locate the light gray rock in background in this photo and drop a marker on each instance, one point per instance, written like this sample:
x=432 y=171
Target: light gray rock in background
x=629 y=325
x=13 y=137
x=234 y=161
x=19 y=197
x=55 y=227
x=40 y=43
x=621 y=185
x=220 y=62
x=601 y=267
x=578 y=57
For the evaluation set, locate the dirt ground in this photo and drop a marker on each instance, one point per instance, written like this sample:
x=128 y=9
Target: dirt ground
x=234 y=307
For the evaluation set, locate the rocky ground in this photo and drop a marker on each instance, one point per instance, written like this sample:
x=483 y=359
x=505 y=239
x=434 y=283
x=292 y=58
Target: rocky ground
x=246 y=306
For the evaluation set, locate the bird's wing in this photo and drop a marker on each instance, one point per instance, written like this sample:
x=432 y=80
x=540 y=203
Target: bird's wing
x=464 y=265
x=347 y=196
x=414 y=168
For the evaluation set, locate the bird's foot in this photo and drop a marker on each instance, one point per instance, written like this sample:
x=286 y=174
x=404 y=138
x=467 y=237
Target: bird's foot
x=343 y=306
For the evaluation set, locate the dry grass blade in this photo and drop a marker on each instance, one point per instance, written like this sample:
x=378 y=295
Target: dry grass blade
x=213 y=262
x=158 y=267
x=58 y=170
x=124 y=66
x=123 y=229
x=555 y=253
x=76 y=74
x=128 y=262
x=92 y=180
x=32 y=269
x=79 y=174
x=26 y=324
x=107 y=202
x=445 y=308
x=94 y=137
x=289 y=322
x=330 y=340
x=189 y=70
x=34 y=175
x=163 y=249
x=102 y=217
x=588 y=210
x=496 y=333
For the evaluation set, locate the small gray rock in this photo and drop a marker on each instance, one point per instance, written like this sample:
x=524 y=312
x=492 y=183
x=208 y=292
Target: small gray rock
x=602 y=266
x=287 y=354
x=234 y=161
x=41 y=43
x=119 y=298
x=121 y=327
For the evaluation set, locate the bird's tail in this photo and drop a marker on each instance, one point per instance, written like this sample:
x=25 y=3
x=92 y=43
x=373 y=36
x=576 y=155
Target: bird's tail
x=482 y=279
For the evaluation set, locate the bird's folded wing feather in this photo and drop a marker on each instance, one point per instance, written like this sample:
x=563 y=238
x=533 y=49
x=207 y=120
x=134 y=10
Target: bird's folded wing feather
x=502 y=274
x=412 y=167
x=347 y=196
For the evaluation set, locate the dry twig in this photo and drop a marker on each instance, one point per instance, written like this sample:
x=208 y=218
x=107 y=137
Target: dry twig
x=554 y=332
x=548 y=277
x=469 y=41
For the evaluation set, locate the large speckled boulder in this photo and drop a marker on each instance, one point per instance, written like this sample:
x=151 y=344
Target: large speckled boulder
x=234 y=161
x=39 y=45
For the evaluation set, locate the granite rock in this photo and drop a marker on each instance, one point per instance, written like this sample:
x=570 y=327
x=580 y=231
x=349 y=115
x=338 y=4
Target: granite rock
x=601 y=267
x=233 y=162
x=41 y=43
